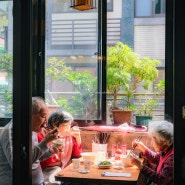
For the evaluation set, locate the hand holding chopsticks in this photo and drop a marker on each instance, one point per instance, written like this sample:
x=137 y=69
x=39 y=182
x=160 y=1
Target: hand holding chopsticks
x=134 y=146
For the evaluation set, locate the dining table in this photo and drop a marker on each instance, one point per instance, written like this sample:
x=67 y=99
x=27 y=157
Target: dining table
x=96 y=175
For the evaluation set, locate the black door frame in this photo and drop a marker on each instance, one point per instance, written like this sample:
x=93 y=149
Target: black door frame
x=22 y=91
x=23 y=88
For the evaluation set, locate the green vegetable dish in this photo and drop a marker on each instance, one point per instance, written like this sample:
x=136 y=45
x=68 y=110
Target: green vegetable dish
x=105 y=163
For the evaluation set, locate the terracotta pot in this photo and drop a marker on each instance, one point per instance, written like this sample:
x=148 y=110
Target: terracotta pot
x=121 y=116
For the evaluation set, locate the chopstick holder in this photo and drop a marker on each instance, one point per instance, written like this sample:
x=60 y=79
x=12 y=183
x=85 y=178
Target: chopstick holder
x=116 y=174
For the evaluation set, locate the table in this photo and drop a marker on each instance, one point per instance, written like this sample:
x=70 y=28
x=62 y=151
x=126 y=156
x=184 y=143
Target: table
x=94 y=176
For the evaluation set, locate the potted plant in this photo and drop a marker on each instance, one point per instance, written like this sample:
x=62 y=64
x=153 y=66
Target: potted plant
x=144 y=113
x=125 y=71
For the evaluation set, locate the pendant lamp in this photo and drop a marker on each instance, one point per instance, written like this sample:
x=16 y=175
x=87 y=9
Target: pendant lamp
x=83 y=4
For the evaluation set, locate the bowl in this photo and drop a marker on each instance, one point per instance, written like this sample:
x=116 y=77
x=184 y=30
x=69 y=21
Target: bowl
x=126 y=161
x=58 y=143
x=88 y=156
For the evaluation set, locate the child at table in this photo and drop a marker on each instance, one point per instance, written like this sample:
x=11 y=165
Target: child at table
x=72 y=146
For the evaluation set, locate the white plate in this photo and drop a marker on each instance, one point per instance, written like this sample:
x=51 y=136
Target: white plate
x=83 y=171
x=118 y=167
x=104 y=166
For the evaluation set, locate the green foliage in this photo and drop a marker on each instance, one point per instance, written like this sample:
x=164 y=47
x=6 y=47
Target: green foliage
x=146 y=107
x=7 y=96
x=6 y=63
x=3 y=19
x=8 y=100
x=56 y=69
x=125 y=70
x=84 y=102
x=160 y=87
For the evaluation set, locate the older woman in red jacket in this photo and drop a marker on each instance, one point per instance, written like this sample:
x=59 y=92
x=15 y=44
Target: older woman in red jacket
x=160 y=164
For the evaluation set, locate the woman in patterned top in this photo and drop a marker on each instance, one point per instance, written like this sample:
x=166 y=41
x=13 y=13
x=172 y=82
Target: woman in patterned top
x=159 y=166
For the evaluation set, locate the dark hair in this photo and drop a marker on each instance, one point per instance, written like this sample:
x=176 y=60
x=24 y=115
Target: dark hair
x=59 y=117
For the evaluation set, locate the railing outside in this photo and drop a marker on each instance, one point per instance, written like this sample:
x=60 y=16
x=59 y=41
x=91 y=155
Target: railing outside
x=158 y=112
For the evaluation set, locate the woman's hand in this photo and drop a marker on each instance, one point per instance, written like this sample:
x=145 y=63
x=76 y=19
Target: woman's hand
x=136 y=162
x=75 y=132
x=139 y=145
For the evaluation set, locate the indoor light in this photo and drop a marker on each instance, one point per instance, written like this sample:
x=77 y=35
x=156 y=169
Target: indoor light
x=83 y=4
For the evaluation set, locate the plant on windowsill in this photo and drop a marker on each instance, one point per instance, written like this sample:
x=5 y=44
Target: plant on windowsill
x=144 y=113
x=125 y=71
x=146 y=106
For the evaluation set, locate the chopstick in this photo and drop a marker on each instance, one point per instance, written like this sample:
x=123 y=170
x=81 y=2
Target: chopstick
x=134 y=146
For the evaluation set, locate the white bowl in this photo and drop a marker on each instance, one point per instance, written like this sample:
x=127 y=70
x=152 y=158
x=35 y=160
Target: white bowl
x=58 y=143
x=88 y=156
x=126 y=161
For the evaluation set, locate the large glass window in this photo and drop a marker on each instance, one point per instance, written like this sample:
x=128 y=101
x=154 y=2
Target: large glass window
x=71 y=53
x=149 y=7
x=144 y=36
x=72 y=60
x=6 y=45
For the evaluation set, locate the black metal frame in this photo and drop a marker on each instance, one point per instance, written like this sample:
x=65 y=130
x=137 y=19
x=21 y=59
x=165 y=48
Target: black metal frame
x=25 y=58
x=22 y=91
x=102 y=45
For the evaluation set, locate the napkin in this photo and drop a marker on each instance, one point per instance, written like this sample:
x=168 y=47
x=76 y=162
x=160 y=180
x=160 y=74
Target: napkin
x=116 y=174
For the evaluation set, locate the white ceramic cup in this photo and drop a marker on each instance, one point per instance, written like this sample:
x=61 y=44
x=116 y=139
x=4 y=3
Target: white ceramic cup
x=76 y=163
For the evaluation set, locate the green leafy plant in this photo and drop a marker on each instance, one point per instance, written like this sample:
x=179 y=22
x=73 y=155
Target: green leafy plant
x=6 y=63
x=126 y=70
x=146 y=107
x=84 y=101
x=8 y=100
x=6 y=66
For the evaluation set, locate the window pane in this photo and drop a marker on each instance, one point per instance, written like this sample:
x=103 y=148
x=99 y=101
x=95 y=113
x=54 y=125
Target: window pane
x=144 y=36
x=71 y=60
x=6 y=45
x=143 y=8
x=159 y=6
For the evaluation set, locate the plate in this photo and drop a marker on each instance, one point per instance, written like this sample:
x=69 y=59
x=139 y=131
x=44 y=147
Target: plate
x=118 y=167
x=83 y=171
x=104 y=166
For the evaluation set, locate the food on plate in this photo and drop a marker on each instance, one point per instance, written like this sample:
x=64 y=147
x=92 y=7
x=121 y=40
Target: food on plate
x=105 y=163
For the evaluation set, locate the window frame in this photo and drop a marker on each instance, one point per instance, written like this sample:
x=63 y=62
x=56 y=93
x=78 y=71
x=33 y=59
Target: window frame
x=151 y=12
